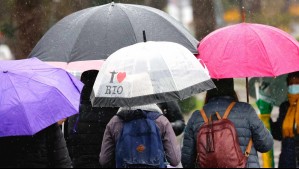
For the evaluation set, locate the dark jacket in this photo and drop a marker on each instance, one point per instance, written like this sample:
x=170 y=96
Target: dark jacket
x=114 y=128
x=85 y=134
x=46 y=149
x=173 y=113
x=246 y=121
x=287 y=158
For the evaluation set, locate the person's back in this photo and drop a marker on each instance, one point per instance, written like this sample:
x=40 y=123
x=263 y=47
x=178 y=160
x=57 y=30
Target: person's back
x=246 y=122
x=46 y=149
x=114 y=129
x=86 y=132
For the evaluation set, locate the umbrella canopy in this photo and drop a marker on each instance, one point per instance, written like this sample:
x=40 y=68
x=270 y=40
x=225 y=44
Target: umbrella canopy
x=150 y=72
x=95 y=33
x=34 y=96
x=249 y=50
x=275 y=88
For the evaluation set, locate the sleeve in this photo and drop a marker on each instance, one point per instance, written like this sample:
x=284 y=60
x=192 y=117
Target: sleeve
x=107 y=155
x=276 y=127
x=261 y=136
x=58 y=151
x=172 y=148
x=189 y=145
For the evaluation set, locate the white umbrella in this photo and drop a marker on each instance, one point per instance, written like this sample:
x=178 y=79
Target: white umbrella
x=150 y=72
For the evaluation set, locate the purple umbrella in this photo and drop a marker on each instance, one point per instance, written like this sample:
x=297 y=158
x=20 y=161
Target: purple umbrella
x=35 y=95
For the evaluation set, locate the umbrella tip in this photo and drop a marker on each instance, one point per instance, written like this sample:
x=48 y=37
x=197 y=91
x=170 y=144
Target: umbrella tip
x=243 y=14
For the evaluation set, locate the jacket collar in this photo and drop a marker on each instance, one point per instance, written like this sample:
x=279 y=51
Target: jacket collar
x=221 y=98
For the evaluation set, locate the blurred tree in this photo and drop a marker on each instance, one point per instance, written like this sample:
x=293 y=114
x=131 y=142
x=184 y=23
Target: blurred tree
x=6 y=26
x=29 y=17
x=204 y=17
x=159 y=4
x=254 y=6
x=286 y=6
x=65 y=7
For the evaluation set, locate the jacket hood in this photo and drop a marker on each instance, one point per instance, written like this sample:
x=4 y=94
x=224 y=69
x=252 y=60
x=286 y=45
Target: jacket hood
x=129 y=113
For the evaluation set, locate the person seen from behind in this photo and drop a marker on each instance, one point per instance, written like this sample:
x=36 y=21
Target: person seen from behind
x=85 y=131
x=242 y=116
x=141 y=133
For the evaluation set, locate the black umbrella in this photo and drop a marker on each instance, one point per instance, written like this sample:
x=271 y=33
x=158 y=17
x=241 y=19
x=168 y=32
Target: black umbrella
x=97 y=32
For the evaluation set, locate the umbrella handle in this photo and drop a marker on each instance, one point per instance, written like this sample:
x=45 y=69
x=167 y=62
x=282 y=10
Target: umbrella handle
x=247 y=89
x=144 y=36
x=256 y=85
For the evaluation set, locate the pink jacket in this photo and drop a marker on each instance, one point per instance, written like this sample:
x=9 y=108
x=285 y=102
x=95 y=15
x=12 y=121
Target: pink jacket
x=114 y=128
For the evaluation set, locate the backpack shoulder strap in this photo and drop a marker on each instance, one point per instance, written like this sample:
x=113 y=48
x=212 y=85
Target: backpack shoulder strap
x=153 y=115
x=228 y=110
x=204 y=116
x=248 y=148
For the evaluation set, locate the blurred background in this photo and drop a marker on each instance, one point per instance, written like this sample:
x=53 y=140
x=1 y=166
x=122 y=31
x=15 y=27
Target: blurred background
x=24 y=22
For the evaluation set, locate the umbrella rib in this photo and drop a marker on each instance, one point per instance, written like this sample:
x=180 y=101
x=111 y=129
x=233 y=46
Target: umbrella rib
x=169 y=71
x=278 y=31
x=219 y=60
x=44 y=83
x=262 y=44
x=130 y=22
x=292 y=41
x=21 y=104
x=77 y=39
x=175 y=26
x=226 y=45
x=133 y=83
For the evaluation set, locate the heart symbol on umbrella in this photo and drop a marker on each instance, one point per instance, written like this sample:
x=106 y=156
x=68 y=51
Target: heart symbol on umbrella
x=121 y=76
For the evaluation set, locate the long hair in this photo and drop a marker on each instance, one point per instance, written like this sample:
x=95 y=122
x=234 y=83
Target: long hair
x=233 y=95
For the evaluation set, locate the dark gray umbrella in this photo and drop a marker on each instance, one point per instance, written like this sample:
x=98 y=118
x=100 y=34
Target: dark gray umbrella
x=275 y=88
x=97 y=32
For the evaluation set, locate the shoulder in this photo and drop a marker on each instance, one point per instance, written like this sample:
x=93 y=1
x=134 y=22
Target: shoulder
x=244 y=107
x=115 y=119
x=195 y=115
x=162 y=120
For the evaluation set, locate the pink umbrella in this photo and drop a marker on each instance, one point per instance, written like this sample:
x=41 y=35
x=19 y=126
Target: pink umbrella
x=249 y=50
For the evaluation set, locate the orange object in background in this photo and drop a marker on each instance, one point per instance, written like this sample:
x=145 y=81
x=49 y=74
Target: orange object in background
x=232 y=15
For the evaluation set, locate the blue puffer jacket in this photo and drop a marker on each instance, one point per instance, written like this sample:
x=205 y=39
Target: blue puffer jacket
x=246 y=122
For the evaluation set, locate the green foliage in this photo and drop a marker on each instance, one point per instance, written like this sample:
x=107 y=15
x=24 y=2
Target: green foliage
x=230 y=4
x=8 y=30
x=100 y=2
x=190 y=104
x=280 y=20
